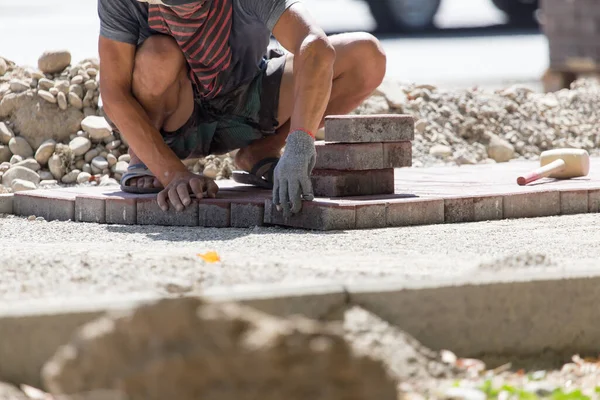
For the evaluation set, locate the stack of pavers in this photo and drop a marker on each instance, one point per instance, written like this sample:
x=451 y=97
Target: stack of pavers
x=353 y=178
x=360 y=153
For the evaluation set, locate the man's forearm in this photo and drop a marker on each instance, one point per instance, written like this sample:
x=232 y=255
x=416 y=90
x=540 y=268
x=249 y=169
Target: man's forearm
x=313 y=77
x=145 y=140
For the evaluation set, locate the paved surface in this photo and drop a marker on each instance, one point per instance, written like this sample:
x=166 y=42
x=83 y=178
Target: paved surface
x=42 y=259
x=28 y=27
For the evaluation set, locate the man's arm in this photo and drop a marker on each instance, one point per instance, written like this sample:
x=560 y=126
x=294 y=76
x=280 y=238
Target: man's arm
x=116 y=63
x=314 y=58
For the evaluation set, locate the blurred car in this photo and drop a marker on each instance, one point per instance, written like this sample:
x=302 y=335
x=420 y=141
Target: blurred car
x=418 y=15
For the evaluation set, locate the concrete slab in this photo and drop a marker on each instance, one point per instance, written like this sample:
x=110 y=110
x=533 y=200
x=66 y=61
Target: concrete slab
x=494 y=316
x=32 y=330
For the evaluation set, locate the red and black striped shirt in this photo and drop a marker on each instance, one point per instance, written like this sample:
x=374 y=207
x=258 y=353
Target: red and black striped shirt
x=202 y=31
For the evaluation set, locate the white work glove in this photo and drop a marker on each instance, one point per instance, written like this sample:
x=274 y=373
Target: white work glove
x=292 y=182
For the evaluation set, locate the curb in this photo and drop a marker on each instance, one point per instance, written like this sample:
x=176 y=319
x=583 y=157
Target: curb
x=31 y=331
x=492 y=317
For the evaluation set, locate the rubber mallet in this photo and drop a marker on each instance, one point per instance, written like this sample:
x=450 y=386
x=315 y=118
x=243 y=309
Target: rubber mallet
x=559 y=164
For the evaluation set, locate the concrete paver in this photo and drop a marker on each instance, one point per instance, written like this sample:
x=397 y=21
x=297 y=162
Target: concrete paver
x=422 y=196
x=369 y=128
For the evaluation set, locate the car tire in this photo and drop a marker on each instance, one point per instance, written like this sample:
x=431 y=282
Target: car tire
x=394 y=16
x=519 y=12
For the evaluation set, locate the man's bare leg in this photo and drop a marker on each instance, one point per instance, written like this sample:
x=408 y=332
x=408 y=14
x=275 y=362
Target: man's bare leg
x=359 y=69
x=162 y=87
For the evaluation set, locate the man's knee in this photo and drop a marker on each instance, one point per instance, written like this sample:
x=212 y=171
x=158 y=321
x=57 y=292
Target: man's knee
x=372 y=61
x=159 y=63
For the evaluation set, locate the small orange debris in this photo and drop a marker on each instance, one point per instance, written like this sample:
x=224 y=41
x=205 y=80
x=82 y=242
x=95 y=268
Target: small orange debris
x=210 y=257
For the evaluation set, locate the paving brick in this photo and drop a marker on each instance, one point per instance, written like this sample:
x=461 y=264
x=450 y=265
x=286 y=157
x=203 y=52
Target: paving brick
x=363 y=156
x=121 y=207
x=594 y=201
x=459 y=210
x=247 y=214
x=531 y=205
x=574 y=202
x=369 y=128
x=487 y=208
x=415 y=211
x=49 y=204
x=214 y=213
x=90 y=209
x=397 y=154
x=371 y=215
x=316 y=215
x=149 y=213
x=333 y=183
x=343 y=156
x=6 y=203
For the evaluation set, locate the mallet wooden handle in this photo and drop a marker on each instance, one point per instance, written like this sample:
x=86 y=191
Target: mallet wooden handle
x=541 y=172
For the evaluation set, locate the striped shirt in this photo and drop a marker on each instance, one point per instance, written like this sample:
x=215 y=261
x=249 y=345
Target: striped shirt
x=224 y=41
x=202 y=31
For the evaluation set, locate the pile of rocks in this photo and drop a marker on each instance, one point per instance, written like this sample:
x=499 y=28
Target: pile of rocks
x=478 y=126
x=53 y=132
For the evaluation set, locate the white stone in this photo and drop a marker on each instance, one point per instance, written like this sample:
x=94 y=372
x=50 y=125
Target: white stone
x=61 y=99
x=56 y=167
x=97 y=127
x=20 y=185
x=100 y=163
x=125 y=157
x=3 y=66
x=47 y=96
x=19 y=173
x=45 y=175
x=83 y=177
x=121 y=167
x=75 y=101
x=29 y=163
x=70 y=177
x=439 y=150
x=77 y=80
x=15 y=159
x=91 y=85
x=90 y=155
x=5 y=166
x=113 y=145
x=18 y=86
x=87 y=168
x=108 y=181
x=49 y=182
x=499 y=149
x=421 y=125
x=112 y=160
x=45 y=84
x=77 y=89
x=44 y=152
x=80 y=145
x=51 y=62
x=19 y=146
x=62 y=86
x=5 y=133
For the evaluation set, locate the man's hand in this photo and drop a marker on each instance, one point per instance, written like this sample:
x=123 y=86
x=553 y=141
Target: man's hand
x=292 y=181
x=177 y=192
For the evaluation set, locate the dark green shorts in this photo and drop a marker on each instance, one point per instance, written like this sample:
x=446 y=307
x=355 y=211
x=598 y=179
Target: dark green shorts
x=234 y=120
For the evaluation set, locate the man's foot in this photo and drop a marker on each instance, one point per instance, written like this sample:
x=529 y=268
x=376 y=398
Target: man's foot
x=138 y=178
x=257 y=173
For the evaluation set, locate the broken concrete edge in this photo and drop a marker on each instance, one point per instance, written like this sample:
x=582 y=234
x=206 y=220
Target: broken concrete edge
x=496 y=316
